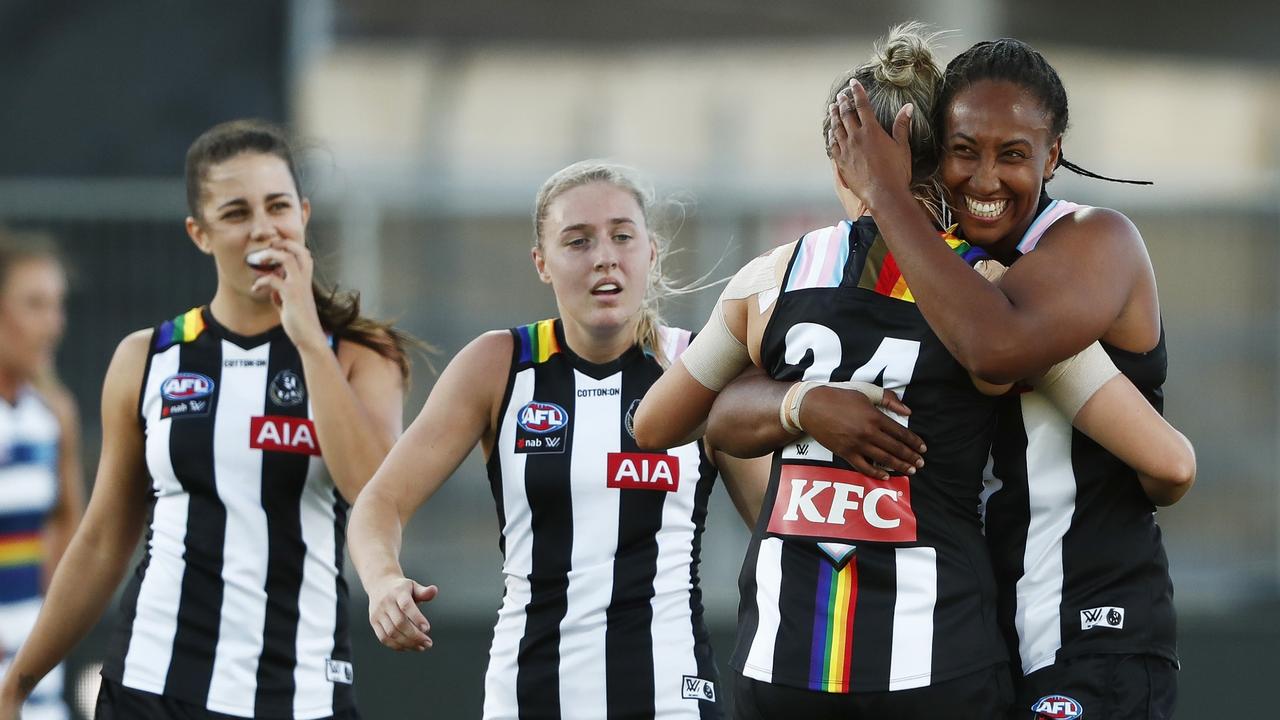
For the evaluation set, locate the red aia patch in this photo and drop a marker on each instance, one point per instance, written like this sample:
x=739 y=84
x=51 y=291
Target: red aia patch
x=825 y=503
x=282 y=433
x=644 y=471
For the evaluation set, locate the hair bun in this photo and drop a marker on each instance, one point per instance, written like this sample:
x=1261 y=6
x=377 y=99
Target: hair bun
x=905 y=53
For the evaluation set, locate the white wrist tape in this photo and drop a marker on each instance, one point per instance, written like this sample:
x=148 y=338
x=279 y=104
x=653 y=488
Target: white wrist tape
x=992 y=270
x=789 y=411
x=1070 y=383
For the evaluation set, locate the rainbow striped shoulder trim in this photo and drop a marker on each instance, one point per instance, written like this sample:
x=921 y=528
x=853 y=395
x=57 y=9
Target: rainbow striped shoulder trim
x=182 y=329
x=1052 y=213
x=880 y=273
x=820 y=258
x=537 y=341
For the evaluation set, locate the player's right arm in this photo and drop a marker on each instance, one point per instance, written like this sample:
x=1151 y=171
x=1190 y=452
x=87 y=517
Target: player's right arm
x=99 y=552
x=745 y=422
x=461 y=411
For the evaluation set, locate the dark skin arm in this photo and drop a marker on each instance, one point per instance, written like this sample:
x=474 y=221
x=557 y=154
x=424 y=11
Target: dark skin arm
x=744 y=422
x=1049 y=306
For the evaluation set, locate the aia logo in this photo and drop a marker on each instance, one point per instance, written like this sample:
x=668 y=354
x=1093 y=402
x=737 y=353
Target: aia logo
x=643 y=471
x=186 y=386
x=281 y=433
x=542 y=418
x=826 y=503
x=1057 y=707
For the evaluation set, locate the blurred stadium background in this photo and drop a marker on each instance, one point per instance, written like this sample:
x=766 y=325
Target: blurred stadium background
x=431 y=125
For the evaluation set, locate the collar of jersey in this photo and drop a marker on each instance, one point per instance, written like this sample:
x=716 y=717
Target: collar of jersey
x=596 y=371
x=242 y=341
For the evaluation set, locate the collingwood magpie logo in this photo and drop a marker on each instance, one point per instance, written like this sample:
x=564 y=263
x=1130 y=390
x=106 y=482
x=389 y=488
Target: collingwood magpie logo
x=1107 y=617
x=630 y=420
x=286 y=389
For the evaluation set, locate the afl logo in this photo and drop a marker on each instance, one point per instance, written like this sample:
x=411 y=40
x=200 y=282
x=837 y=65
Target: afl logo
x=542 y=418
x=186 y=386
x=1057 y=707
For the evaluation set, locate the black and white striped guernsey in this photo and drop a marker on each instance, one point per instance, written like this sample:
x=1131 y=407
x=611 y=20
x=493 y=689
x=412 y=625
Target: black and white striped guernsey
x=1078 y=555
x=602 y=613
x=238 y=605
x=854 y=584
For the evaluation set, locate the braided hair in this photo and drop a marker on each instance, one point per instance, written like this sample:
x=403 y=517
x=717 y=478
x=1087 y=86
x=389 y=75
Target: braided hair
x=1016 y=62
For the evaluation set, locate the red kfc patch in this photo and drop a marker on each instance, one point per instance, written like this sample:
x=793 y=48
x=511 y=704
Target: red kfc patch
x=826 y=503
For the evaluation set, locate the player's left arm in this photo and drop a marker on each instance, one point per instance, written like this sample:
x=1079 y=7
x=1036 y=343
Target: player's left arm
x=69 y=507
x=1105 y=405
x=746 y=481
x=357 y=411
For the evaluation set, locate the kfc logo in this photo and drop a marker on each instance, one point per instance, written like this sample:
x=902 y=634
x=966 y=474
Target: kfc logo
x=826 y=503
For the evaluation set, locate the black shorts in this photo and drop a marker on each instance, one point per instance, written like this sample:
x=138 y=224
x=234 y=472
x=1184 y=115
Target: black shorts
x=1116 y=687
x=117 y=702
x=978 y=696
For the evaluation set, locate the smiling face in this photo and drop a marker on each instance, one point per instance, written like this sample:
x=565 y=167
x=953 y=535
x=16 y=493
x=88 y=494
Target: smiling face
x=596 y=253
x=247 y=202
x=998 y=149
x=31 y=315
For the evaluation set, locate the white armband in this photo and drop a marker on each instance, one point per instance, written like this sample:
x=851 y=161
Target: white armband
x=715 y=356
x=1070 y=383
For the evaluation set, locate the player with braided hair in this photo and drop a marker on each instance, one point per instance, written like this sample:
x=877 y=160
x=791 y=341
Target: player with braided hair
x=1085 y=594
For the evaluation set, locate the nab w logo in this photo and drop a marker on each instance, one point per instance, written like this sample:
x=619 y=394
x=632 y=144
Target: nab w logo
x=1057 y=707
x=1107 y=617
x=695 y=688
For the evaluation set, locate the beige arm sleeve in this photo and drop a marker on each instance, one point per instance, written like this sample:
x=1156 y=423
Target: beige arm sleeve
x=1070 y=383
x=716 y=356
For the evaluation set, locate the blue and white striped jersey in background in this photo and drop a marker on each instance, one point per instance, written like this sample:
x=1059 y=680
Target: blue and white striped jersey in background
x=29 y=437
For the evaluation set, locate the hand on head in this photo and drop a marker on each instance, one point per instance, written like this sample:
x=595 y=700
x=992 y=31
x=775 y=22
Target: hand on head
x=870 y=160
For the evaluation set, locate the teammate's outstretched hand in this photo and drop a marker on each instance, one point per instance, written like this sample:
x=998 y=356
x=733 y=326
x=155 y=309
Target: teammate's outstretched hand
x=290 y=286
x=395 y=616
x=847 y=423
